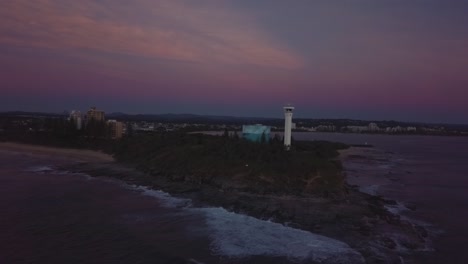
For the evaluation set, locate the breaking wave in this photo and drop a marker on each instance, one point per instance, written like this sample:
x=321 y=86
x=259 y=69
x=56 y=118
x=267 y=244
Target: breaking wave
x=39 y=169
x=237 y=235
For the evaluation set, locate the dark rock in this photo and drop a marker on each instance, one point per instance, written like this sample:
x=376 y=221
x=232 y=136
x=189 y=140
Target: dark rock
x=390 y=202
x=388 y=242
x=410 y=244
x=377 y=209
x=365 y=231
x=421 y=231
x=411 y=206
x=376 y=260
x=317 y=227
x=393 y=219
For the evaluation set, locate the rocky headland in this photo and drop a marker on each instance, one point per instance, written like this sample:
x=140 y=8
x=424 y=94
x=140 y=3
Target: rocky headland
x=305 y=188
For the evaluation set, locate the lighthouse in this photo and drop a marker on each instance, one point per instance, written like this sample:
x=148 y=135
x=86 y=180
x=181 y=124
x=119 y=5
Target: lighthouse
x=288 y=112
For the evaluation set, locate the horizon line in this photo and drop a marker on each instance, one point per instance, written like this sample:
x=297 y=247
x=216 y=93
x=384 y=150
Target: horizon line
x=240 y=117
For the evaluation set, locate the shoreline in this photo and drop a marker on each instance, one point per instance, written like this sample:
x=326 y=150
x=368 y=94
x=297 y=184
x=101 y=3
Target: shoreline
x=83 y=155
x=358 y=219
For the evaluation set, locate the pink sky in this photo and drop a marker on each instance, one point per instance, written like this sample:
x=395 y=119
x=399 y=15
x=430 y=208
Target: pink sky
x=385 y=59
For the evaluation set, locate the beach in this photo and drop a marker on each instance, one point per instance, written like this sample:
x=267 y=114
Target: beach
x=80 y=155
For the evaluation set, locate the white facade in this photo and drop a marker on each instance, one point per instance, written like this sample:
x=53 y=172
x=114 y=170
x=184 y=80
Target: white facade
x=373 y=127
x=288 y=113
x=76 y=118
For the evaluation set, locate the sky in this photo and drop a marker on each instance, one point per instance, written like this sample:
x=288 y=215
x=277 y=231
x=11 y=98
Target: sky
x=402 y=60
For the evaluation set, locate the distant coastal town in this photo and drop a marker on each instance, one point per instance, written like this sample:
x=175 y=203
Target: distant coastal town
x=117 y=125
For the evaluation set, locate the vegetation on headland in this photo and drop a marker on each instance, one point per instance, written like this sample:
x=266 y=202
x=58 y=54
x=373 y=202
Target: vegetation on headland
x=229 y=162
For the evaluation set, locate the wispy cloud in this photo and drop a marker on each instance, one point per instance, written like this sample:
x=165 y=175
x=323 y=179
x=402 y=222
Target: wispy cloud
x=165 y=29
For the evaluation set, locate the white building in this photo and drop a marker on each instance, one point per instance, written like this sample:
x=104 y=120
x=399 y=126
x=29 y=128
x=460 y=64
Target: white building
x=357 y=129
x=373 y=127
x=76 y=118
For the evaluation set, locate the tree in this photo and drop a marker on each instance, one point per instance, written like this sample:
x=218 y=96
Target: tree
x=235 y=136
x=263 y=138
x=199 y=139
x=130 y=131
x=96 y=129
x=276 y=139
x=226 y=133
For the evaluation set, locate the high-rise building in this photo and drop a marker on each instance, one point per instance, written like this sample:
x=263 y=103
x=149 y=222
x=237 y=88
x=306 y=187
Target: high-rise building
x=76 y=118
x=115 y=129
x=94 y=114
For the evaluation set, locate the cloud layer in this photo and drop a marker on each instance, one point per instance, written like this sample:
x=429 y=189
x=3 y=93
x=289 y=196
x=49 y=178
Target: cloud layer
x=173 y=30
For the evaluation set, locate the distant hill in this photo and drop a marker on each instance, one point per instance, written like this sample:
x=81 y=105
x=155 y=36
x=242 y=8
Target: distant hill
x=234 y=120
x=30 y=114
x=189 y=118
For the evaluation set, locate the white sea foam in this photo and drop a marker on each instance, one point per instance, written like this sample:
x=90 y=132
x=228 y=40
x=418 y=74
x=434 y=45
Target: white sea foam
x=194 y=261
x=370 y=189
x=84 y=175
x=11 y=152
x=400 y=209
x=236 y=235
x=397 y=208
x=166 y=199
x=386 y=166
x=42 y=169
x=47 y=169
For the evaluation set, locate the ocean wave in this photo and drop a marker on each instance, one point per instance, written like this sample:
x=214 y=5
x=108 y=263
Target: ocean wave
x=40 y=169
x=397 y=208
x=370 y=189
x=236 y=235
x=165 y=198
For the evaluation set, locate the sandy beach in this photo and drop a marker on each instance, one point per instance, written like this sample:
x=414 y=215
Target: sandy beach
x=75 y=154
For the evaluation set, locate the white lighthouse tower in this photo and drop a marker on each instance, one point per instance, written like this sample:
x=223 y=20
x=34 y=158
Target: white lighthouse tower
x=288 y=112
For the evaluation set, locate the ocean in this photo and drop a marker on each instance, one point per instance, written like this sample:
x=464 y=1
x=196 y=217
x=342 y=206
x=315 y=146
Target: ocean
x=427 y=175
x=52 y=216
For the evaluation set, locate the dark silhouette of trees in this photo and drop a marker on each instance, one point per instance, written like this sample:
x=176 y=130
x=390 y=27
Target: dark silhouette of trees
x=226 y=133
x=129 y=131
x=235 y=136
x=204 y=158
x=96 y=129
x=263 y=138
